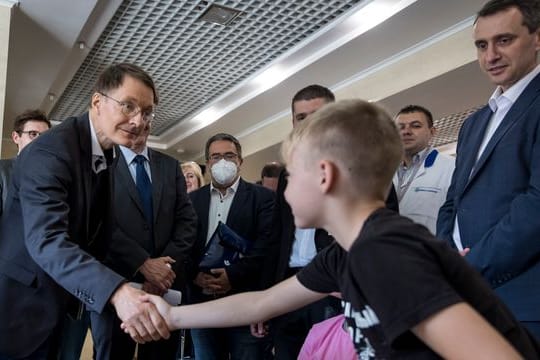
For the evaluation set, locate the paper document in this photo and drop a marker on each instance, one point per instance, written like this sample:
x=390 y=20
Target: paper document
x=173 y=297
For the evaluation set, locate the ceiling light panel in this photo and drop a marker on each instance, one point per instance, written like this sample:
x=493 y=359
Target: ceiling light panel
x=191 y=61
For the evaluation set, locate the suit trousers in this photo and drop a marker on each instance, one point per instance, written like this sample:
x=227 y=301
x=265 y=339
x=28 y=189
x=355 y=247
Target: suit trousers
x=219 y=344
x=123 y=347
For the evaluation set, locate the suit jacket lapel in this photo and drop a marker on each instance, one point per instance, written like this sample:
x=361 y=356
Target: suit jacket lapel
x=126 y=181
x=157 y=180
x=85 y=140
x=238 y=203
x=514 y=115
x=470 y=150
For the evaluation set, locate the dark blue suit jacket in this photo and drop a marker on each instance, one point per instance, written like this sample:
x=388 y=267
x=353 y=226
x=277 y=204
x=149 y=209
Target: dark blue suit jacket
x=498 y=203
x=175 y=222
x=5 y=181
x=250 y=216
x=43 y=236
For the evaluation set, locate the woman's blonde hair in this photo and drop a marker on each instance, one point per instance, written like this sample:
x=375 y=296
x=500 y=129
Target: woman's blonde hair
x=193 y=166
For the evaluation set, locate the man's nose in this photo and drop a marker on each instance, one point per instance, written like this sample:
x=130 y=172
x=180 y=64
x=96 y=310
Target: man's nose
x=138 y=120
x=492 y=54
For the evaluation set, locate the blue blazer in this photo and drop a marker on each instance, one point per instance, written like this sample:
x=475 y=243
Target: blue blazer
x=45 y=239
x=250 y=216
x=497 y=202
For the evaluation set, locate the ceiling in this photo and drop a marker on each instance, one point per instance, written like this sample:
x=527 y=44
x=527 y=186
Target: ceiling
x=240 y=78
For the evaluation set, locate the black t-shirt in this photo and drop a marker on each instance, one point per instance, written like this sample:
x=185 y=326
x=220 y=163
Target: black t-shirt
x=396 y=275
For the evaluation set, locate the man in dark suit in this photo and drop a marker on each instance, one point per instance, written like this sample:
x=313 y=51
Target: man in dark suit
x=297 y=247
x=247 y=209
x=28 y=126
x=152 y=251
x=55 y=228
x=493 y=203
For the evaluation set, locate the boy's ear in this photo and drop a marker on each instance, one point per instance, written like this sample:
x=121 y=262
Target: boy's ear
x=328 y=175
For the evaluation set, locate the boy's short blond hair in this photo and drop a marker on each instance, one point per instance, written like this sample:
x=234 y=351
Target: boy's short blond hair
x=359 y=136
x=193 y=166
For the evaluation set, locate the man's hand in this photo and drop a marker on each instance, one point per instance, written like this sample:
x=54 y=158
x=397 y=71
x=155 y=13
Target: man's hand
x=152 y=289
x=219 y=281
x=162 y=307
x=142 y=319
x=158 y=272
x=259 y=330
x=202 y=280
x=216 y=283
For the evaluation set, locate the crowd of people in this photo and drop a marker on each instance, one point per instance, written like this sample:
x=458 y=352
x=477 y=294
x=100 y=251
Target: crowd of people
x=365 y=243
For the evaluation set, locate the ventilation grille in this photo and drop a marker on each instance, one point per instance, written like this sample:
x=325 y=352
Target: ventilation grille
x=193 y=62
x=448 y=127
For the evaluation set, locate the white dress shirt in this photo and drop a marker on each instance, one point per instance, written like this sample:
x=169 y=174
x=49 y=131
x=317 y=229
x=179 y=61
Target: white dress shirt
x=219 y=206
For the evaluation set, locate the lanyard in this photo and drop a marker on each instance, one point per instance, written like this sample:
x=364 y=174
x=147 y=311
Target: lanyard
x=427 y=159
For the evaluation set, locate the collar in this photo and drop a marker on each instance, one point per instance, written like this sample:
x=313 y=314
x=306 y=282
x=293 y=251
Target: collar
x=416 y=157
x=129 y=154
x=232 y=189
x=96 y=147
x=513 y=92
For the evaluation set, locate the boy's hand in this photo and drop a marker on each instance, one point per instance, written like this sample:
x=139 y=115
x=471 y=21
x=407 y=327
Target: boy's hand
x=259 y=330
x=464 y=251
x=162 y=307
x=144 y=321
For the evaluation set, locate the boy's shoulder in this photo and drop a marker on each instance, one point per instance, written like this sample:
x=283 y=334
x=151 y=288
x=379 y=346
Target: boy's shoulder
x=384 y=224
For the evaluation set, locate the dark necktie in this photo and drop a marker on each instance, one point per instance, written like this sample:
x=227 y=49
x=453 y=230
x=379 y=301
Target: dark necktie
x=144 y=187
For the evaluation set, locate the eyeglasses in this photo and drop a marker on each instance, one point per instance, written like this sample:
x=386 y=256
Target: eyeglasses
x=32 y=134
x=230 y=156
x=131 y=109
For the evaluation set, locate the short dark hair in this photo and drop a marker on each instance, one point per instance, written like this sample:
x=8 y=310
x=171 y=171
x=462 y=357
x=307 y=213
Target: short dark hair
x=30 y=115
x=225 y=137
x=272 y=170
x=417 y=108
x=313 y=92
x=113 y=77
x=530 y=10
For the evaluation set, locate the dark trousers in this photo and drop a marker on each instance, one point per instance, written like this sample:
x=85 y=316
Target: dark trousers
x=290 y=330
x=123 y=347
x=234 y=343
x=74 y=332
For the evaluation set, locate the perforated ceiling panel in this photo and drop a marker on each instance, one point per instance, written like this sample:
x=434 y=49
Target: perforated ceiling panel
x=193 y=62
x=448 y=127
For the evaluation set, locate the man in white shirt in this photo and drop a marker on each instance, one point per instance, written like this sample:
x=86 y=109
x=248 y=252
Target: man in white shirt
x=247 y=210
x=493 y=205
x=423 y=177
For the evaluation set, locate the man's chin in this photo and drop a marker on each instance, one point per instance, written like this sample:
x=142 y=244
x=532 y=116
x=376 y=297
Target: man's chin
x=127 y=140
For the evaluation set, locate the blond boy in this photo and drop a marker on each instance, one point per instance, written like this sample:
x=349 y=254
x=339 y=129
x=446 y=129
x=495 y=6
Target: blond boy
x=405 y=294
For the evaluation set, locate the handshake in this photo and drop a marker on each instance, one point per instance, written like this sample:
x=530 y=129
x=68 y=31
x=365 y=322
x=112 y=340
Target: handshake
x=142 y=319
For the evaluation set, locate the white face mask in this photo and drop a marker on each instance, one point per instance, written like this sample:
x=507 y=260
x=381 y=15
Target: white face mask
x=223 y=172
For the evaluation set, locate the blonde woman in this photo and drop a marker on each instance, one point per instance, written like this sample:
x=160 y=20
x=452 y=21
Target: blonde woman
x=193 y=175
